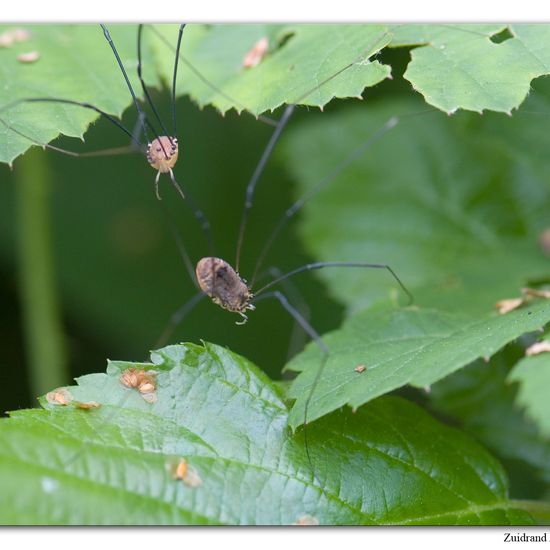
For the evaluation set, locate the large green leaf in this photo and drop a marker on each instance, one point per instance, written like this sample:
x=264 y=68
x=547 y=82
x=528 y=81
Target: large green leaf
x=460 y=67
x=76 y=63
x=398 y=347
x=533 y=375
x=113 y=464
x=454 y=206
x=306 y=64
x=483 y=402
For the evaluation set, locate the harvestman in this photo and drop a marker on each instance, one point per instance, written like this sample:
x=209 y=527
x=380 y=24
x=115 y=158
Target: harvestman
x=214 y=276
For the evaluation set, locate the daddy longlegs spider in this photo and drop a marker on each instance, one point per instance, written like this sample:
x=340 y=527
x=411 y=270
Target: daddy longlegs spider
x=214 y=276
x=164 y=141
x=218 y=280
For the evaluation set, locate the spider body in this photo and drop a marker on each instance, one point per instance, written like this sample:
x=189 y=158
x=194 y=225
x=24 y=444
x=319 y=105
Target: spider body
x=218 y=280
x=162 y=153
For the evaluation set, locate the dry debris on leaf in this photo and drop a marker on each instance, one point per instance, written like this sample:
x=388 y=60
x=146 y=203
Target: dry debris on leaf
x=87 y=405
x=538 y=347
x=28 y=57
x=509 y=304
x=59 y=396
x=7 y=38
x=255 y=55
x=360 y=368
x=306 y=520
x=182 y=470
x=143 y=380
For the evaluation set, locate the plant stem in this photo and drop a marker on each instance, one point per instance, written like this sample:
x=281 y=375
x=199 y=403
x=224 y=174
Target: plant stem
x=40 y=310
x=538 y=509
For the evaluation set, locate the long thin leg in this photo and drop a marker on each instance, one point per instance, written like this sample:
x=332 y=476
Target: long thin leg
x=199 y=214
x=256 y=176
x=85 y=105
x=145 y=90
x=179 y=243
x=202 y=78
x=101 y=152
x=359 y=58
x=177 y=317
x=324 y=350
x=297 y=339
x=175 y=78
x=322 y=265
x=291 y=211
x=123 y=70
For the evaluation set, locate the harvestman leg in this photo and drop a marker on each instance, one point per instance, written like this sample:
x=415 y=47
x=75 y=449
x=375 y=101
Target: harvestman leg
x=324 y=350
x=297 y=340
x=177 y=317
x=310 y=330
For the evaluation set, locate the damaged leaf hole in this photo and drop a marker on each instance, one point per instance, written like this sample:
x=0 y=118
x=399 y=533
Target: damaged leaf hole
x=501 y=36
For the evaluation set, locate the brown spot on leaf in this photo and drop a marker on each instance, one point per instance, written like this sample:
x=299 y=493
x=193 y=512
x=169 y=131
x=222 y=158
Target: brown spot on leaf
x=87 y=405
x=184 y=471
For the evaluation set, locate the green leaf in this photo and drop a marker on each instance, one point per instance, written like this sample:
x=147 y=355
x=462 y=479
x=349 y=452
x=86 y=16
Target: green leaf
x=533 y=375
x=482 y=401
x=454 y=205
x=459 y=67
x=399 y=347
x=112 y=465
x=76 y=63
x=305 y=64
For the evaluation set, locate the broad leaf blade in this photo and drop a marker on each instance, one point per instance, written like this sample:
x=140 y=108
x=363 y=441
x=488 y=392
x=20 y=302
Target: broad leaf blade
x=459 y=67
x=75 y=63
x=457 y=217
x=306 y=64
x=399 y=347
x=109 y=465
x=533 y=375
x=483 y=403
